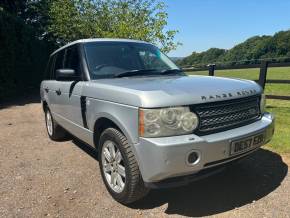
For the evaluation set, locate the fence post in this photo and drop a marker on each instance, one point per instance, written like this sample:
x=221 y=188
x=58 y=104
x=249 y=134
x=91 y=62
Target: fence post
x=211 y=68
x=263 y=73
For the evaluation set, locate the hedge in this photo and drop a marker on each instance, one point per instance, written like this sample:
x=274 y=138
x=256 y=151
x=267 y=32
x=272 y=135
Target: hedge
x=23 y=57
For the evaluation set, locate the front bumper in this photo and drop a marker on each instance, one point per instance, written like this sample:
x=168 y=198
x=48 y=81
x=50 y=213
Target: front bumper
x=163 y=158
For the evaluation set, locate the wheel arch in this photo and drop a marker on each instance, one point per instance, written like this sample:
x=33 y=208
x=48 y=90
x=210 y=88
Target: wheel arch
x=44 y=105
x=103 y=123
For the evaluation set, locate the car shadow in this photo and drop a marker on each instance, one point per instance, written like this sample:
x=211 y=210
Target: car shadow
x=244 y=182
x=85 y=147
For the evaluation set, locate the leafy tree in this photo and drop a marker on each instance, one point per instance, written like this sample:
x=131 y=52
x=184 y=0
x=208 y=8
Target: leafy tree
x=209 y=56
x=32 y=12
x=13 y=7
x=37 y=17
x=135 y=19
x=22 y=56
x=250 y=51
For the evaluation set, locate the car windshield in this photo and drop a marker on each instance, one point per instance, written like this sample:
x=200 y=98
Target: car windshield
x=112 y=59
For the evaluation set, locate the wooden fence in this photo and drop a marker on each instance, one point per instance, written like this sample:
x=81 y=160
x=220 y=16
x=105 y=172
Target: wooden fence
x=262 y=76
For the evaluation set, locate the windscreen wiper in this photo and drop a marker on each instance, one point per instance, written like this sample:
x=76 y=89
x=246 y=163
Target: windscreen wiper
x=136 y=73
x=171 y=71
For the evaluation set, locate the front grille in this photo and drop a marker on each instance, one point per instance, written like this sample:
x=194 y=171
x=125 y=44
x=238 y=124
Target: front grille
x=223 y=115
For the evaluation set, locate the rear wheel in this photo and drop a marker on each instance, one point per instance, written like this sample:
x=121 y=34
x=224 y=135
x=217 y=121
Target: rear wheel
x=119 y=168
x=54 y=131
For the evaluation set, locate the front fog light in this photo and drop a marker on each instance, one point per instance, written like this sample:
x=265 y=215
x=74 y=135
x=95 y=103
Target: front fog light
x=193 y=158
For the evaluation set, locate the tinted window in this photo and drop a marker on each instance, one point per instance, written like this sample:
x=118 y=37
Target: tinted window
x=72 y=59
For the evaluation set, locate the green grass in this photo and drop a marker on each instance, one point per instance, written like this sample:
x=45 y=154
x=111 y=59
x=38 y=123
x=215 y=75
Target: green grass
x=281 y=109
x=253 y=74
x=281 y=139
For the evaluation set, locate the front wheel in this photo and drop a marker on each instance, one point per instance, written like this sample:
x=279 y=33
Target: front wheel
x=119 y=168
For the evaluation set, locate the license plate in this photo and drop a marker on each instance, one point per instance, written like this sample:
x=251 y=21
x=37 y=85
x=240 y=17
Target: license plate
x=246 y=144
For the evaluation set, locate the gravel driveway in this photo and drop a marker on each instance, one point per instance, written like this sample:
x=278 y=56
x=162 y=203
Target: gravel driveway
x=39 y=177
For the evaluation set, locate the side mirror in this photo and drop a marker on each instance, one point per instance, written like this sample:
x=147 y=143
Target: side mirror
x=66 y=74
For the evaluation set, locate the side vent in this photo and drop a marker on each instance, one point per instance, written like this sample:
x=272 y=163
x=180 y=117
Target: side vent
x=84 y=111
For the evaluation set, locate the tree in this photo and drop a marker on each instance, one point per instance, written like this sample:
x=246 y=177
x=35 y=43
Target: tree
x=251 y=51
x=135 y=19
x=212 y=55
x=32 y=12
x=37 y=17
x=15 y=7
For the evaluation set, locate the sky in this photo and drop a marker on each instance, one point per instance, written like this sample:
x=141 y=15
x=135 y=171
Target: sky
x=203 y=24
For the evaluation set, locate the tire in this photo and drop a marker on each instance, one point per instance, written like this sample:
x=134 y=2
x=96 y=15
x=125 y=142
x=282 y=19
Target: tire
x=125 y=166
x=54 y=131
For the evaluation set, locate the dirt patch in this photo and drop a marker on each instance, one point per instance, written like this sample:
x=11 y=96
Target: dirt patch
x=39 y=177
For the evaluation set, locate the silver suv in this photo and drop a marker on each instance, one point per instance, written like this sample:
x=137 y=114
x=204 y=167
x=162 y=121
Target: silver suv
x=152 y=125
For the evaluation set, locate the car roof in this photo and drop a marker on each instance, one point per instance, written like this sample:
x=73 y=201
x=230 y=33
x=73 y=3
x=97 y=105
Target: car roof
x=97 y=40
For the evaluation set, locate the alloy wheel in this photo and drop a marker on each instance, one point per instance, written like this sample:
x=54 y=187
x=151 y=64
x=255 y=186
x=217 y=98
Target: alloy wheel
x=113 y=166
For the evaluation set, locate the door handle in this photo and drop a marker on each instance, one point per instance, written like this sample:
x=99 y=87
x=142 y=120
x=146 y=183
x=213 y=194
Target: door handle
x=58 y=92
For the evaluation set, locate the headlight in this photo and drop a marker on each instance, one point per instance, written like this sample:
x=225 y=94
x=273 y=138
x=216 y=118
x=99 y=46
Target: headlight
x=166 y=122
x=263 y=103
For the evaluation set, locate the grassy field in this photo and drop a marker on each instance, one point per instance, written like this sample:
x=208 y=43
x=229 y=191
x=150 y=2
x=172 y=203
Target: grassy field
x=281 y=140
x=253 y=74
x=281 y=109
